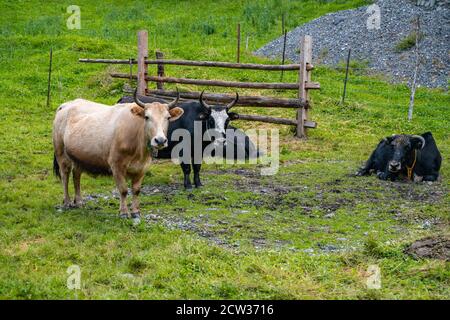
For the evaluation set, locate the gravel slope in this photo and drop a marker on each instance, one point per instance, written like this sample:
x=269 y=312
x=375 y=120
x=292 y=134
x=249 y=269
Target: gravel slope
x=333 y=34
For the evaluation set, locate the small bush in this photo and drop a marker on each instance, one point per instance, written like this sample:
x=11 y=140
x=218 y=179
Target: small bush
x=408 y=42
x=136 y=264
x=205 y=27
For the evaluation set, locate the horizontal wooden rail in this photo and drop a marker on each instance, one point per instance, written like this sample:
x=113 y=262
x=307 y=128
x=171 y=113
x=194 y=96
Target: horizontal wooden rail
x=217 y=64
x=291 y=122
x=220 y=83
x=108 y=61
x=256 y=101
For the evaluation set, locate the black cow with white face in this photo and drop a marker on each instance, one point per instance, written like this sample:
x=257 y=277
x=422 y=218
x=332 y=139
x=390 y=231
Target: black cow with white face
x=211 y=117
x=413 y=156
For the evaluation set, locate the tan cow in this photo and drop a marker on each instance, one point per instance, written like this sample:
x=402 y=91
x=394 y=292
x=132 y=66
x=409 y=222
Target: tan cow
x=109 y=140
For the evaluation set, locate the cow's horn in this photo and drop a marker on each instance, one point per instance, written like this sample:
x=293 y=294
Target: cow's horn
x=203 y=103
x=419 y=137
x=136 y=99
x=232 y=103
x=174 y=103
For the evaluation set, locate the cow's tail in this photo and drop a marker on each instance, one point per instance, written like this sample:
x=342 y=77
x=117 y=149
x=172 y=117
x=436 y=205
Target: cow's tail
x=56 y=167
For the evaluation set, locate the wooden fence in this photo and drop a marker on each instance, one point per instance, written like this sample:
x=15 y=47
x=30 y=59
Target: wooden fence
x=301 y=103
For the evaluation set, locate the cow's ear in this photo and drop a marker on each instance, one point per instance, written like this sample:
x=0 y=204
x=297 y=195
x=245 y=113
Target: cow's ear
x=389 y=139
x=175 y=113
x=233 y=115
x=417 y=143
x=138 y=111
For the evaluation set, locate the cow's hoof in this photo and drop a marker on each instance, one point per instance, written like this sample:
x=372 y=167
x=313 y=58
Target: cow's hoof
x=77 y=205
x=361 y=173
x=123 y=215
x=188 y=187
x=381 y=175
x=70 y=206
x=136 y=217
x=198 y=185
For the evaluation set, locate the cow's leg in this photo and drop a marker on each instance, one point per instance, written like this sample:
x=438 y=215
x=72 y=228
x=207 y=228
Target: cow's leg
x=430 y=177
x=121 y=183
x=186 y=167
x=383 y=175
x=65 y=166
x=76 y=183
x=368 y=166
x=136 y=189
x=197 y=168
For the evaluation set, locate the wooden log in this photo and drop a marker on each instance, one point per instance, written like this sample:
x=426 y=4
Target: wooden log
x=308 y=84
x=228 y=84
x=305 y=58
x=291 y=122
x=311 y=85
x=142 y=66
x=160 y=56
x=218 y=83
x=108 y=61
x=217 y=64
x=252 y=101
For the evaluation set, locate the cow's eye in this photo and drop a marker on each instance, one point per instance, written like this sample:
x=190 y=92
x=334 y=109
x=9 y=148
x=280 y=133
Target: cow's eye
x=146 y=118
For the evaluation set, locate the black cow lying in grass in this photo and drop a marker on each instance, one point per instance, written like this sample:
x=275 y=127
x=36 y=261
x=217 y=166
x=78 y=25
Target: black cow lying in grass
x=412 y=156
x=215 y=117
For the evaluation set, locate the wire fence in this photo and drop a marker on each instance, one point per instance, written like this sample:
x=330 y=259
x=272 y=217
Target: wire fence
x=364 y=86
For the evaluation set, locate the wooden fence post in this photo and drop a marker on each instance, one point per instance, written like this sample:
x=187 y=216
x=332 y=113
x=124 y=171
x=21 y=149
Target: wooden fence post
x=304 y=77
x=346 y=76
x=238 y=53
x=142 y=66
x=160 y=56
x=49 y=77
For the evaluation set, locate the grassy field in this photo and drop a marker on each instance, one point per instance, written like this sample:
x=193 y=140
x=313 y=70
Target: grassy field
x=311 y=231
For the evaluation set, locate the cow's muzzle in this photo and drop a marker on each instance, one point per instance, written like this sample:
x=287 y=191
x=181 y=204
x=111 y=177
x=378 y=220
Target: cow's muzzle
x=394 y=166
x=159 y=142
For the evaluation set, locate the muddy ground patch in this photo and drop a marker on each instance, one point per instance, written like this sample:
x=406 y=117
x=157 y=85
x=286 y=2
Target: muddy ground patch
x=239 y=207
x=430 y=248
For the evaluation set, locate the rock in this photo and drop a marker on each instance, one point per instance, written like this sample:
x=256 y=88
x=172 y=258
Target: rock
x=328 y=247
x=336 y=32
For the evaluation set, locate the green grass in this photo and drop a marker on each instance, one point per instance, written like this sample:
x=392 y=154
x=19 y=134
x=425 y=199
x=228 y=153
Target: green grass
x=408 y=42
x=249 y=236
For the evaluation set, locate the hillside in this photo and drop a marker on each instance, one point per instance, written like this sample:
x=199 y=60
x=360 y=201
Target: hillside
x=388 y=49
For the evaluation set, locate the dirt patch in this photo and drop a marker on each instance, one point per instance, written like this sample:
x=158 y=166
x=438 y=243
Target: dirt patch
x=283 y=196
x=239 y=172
x=425 y=192
x=199 y=226
x=430 y=248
